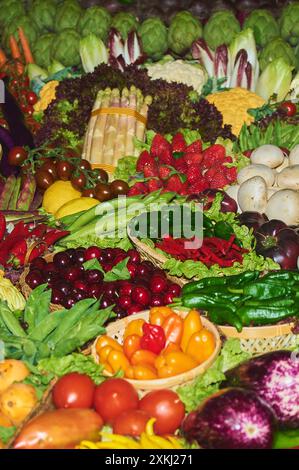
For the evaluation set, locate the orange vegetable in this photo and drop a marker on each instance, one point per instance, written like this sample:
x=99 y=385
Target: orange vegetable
x=106 y=340
x=192 y=324
x=15 y=50
x=173 y=328
x=171 y=347
x=25 y=46
x=201 y=345
x=131 y=344
x=143 y=357
x=3 y=58
x=117 y=361
x=134 y=328
x=141 y=372
x=174 y=363
x=108 y=369
x=158 y=314
x=104 y=352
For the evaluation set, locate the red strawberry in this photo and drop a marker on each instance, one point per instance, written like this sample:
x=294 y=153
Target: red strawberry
x=180 y=165
x=195 y=147
x=228 y=160
x=151 y=169
x=154 y=185
x=213 y=154
x=211 y=172
x=160 y=146
x=192 y=158
x=164 y=172
x=138 y=188
x=174 y=183
x=231 y=174
x=198 y=187
x=144 y=159
x=218 y=181
x=178 y=143
x=193 y=174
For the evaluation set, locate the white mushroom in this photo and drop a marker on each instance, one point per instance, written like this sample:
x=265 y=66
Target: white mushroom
x=252 y=195
x=284 y=165
x=284 y=205
x=272 y=191
x=256 y=170
x=289 y=177
x=269 y=155
x=294 y=155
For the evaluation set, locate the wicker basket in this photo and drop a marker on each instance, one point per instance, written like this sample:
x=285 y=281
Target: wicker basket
x=262 y=339
x=26 y=290
x=116 y=330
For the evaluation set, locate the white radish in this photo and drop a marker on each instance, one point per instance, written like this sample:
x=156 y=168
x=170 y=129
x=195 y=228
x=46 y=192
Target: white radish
x=289 y=178
x=284 y=205
x=232 y=191
x=257 y=170
x=294 y=155
x=267 y=154
x=252 y=195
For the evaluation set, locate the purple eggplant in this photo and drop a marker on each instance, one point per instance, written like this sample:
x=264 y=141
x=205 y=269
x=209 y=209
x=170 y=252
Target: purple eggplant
x=274 y=239
x=252 y=219
x=27 y=193
x=233 y=418
x=275 y=378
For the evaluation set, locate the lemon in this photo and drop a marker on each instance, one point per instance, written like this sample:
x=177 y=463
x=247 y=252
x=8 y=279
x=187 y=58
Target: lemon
x=76 y=205
x=58 y=194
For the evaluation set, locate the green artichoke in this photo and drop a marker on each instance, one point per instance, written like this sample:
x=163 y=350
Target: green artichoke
x=65 y=48
x=278 y=48
x=10 y=9
x=184 y=29
x=43 y=13
x=153 y=34
x=68 y=15
x=95 y=20
x=124 y=23
x=221 y=28
x=264 y=26
x=42 y=50
x=29 y=27
x=289 y=23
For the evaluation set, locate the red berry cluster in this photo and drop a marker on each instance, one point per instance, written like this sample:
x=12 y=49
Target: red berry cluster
x=185 y=169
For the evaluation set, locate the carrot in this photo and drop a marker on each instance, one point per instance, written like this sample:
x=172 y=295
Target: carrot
x=15 y=51
x=3 y=58
x=19 y=66
x=25 y=46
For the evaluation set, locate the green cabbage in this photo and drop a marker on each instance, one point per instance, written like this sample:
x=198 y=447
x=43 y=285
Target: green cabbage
x=264 y=26
x=153 y=34
x=183 y=31
x=124 y=23
x=42 y=49
x=278 y=48
x=10 y=9
x=29 y=27
x=95 y=20
x=65 y=48
x=67 y=15
x=43 y=12
x=221 y=28
x=289 y=23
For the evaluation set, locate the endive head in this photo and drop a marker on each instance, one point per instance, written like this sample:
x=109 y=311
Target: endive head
x=244 y=40
x=275 y=79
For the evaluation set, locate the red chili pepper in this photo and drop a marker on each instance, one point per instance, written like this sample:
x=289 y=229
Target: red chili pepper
x=20 y=232
x=54 y=235
x=153 y=338
x=39 y=250
x=39 y=230
x=18 y=253
x=2 y=226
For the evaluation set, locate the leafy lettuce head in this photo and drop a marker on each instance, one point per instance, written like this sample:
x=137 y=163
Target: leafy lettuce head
x=221 y=28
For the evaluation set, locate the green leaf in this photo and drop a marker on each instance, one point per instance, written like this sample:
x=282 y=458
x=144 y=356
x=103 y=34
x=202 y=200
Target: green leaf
x=7 y=433
x=118 y=272
x=93 y=264
x=32 y=306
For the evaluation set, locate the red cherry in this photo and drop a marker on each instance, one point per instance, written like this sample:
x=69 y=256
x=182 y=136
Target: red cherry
x=125 y=302
x=135 y=308
x=157 y=300
x=141 y=295
x=158 y=284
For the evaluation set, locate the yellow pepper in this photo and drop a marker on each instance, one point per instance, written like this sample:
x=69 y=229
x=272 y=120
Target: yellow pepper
x=134 y=328
x=117 y=361
x=106 y=340
x=131 y=344
x=192 y=324
x=174 y=363
x=143 y=357
x=159 y=314
x=141 y=372
x=201 y=345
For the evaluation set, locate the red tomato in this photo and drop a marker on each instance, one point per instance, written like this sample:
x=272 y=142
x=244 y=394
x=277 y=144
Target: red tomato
x=166 y=407
x=131 y=422
x=114 y=396
x=289 y=108
x=74 y=390
x=31 y=97
x=17 y=156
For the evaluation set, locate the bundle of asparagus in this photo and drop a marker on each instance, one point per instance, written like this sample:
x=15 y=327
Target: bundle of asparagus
x=117 y=117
